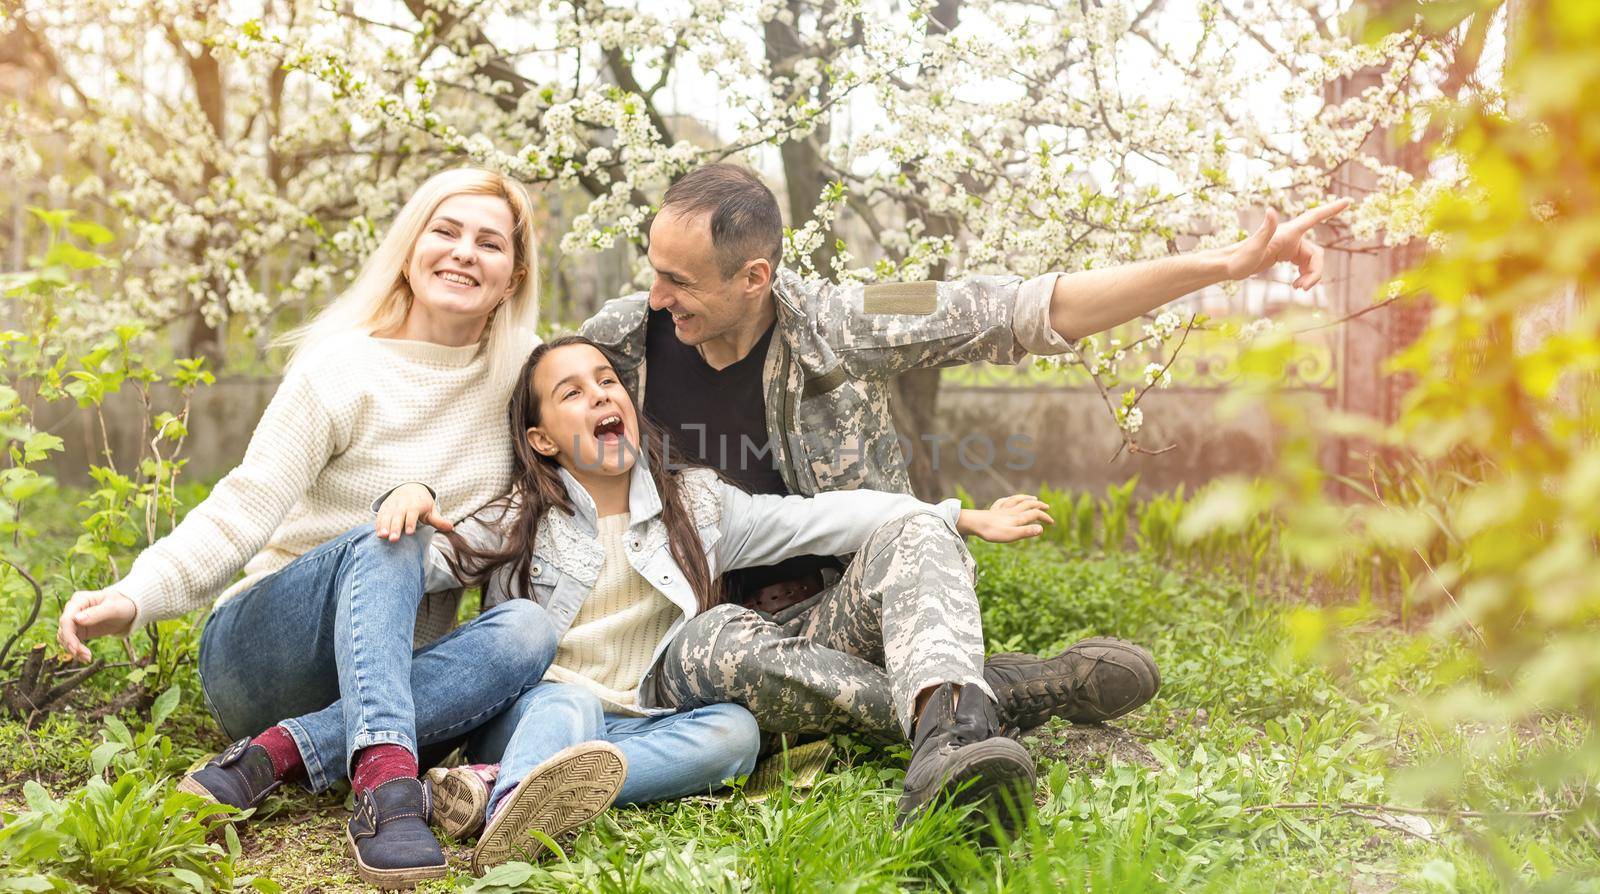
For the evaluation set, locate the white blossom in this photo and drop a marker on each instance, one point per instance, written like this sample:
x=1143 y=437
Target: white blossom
x=1029 y=138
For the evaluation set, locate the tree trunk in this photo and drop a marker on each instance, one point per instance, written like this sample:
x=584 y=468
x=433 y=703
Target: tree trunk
x=914 y=403
x=802 y=157
x=914 y=399
x=205 y=72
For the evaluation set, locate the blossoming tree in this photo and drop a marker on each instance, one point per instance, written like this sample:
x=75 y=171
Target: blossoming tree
x=249 y=150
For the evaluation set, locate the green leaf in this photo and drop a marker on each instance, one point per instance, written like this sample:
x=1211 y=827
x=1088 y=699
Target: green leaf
x=103 y=754
x=164 y=705
x=25 y=487
x=91 y=231
x=28 y=883
x=117 y=731
x=65 y=254
x=55 y=220
x=506 y=875
x=190 y=878
x=38 y=444
x=39 y=800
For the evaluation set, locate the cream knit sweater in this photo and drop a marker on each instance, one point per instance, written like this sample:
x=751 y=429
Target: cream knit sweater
x=615 y=633
x=351 y=420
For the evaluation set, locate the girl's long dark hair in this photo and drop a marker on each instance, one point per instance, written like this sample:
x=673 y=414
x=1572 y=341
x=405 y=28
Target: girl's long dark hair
x=537 y=488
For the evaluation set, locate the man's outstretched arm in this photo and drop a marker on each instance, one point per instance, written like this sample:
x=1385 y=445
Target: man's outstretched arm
x=1091 y=301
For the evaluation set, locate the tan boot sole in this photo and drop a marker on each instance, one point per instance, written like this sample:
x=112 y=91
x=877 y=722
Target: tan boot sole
x=392 y=879
x=802 y=764
x=459 y=800
x=574 y=786
x=186 y=784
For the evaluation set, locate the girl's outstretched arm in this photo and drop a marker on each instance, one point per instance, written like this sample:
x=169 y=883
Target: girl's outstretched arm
x=762 y=529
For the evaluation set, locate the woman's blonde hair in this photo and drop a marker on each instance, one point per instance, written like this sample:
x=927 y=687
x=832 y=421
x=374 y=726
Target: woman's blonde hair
x=379 y=298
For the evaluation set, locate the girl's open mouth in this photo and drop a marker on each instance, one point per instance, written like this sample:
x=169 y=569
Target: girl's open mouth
x=609 y=430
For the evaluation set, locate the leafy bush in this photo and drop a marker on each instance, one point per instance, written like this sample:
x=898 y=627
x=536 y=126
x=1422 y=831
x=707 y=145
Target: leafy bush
x=1033 y=601
x=134 y=499
x=148 y=751
x=128 y=828
x=136 y=834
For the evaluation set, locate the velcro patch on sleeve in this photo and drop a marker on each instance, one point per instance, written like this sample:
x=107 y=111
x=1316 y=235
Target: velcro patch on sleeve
x=824 y=383
x=900 y=298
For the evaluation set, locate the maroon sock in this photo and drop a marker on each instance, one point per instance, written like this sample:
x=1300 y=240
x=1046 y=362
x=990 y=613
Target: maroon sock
x=286 y=762
x=378 y=764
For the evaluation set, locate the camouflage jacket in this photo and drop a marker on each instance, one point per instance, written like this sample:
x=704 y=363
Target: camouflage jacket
x=836 y=350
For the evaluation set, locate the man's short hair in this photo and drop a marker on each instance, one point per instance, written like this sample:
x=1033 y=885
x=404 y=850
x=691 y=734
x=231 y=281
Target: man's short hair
x=745 y=223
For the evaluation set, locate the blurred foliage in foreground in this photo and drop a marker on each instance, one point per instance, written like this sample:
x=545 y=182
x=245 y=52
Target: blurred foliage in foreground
x=1490 y=477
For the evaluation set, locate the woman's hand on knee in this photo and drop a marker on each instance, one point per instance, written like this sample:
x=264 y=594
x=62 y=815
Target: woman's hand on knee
x=404 y=507
x=1016 y=517
x=92 y=613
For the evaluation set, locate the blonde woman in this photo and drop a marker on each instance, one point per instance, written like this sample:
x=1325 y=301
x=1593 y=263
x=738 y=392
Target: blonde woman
x=309 y=658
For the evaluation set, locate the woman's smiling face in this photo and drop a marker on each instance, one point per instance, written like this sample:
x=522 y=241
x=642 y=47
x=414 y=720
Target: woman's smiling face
x=461 y=265
x=586 y=418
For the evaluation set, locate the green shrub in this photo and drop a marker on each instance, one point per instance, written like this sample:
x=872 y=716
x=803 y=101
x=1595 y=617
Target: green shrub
x=1213 y=640
x=136 y=834
x=48 y=363
x=148 y=751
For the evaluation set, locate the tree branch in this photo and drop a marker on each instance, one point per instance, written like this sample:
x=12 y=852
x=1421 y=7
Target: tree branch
x=33 y=614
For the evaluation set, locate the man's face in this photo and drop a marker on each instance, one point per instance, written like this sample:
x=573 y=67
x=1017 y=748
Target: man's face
x=704 y=306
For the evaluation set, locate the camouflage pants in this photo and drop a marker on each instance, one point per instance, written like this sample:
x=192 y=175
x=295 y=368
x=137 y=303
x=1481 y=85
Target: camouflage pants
x=903 y=617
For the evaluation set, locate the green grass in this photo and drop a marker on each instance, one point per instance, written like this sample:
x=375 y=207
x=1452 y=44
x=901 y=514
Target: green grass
x=1193 y=799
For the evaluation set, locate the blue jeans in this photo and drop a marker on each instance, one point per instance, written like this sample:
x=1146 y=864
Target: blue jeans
x=323 y=647
x=689 y=753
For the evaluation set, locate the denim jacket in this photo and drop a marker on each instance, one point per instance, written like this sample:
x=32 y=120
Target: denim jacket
x=737 y=530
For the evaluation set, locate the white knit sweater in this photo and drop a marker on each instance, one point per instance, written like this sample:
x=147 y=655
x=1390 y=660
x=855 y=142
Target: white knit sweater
x=353 y=419
x=608 y=648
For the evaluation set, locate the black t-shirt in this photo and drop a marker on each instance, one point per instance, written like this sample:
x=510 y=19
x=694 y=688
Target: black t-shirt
x=713 y=416
x=718 y=417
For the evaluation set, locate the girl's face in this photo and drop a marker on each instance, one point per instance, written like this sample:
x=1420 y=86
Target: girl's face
x=461 y=266
x=586 y=419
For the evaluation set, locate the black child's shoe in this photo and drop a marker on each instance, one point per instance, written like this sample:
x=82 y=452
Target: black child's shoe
x=389 y=835
x=958 y=753
x=241 y=776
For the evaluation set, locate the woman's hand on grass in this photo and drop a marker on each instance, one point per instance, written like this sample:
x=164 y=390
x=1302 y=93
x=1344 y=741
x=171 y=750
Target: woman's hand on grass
x=1016 y=517
x=92 y=613
x=404 y=507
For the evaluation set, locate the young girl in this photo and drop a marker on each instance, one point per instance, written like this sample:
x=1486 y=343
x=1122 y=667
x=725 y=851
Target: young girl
x=621 y=549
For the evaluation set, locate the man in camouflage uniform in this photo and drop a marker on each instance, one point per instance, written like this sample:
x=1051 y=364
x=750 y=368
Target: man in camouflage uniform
x=847 y=655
